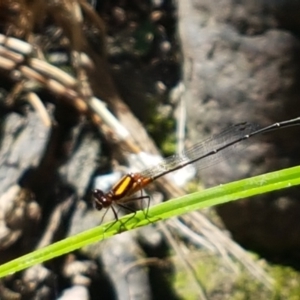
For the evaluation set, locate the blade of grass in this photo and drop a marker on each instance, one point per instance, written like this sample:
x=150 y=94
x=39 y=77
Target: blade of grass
x=220 y=194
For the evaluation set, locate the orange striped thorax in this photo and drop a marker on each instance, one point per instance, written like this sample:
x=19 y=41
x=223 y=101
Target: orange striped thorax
x=128 y=185
x=121 y=192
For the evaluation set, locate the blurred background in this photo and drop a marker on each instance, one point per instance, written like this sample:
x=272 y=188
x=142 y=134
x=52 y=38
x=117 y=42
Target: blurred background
x=86 y=84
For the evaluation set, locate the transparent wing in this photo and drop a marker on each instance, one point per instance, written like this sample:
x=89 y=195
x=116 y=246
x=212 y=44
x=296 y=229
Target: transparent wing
x=207 y=152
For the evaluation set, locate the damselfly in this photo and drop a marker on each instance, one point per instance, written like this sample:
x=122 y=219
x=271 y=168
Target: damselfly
x=207 y=152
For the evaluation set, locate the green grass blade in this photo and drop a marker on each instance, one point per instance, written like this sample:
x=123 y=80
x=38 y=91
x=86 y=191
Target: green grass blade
x=176 y=207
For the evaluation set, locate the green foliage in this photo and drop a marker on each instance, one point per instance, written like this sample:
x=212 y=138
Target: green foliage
x=144 y=36
x=287 y=283
x=217 y=195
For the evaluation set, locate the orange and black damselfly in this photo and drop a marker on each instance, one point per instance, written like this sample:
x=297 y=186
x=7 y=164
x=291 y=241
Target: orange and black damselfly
x=206 y=153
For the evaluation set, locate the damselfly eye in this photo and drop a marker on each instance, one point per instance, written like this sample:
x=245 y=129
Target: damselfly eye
x=98 y=199
x=98 y=194
x=101 y=200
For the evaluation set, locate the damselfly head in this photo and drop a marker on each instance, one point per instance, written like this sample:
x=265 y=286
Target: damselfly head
x=101 y=200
